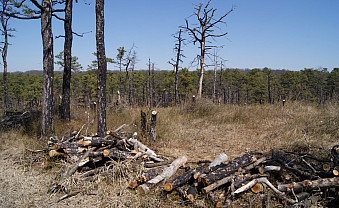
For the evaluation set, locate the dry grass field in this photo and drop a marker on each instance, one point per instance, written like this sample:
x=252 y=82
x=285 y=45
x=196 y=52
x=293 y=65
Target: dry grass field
x=199 y=131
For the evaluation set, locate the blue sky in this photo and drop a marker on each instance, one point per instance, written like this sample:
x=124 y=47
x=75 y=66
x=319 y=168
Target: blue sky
x=289 y=34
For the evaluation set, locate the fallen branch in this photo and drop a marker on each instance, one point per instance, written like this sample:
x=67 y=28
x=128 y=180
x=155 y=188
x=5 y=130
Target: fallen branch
x=265 y=181
x=69 y=195
x=309 y=185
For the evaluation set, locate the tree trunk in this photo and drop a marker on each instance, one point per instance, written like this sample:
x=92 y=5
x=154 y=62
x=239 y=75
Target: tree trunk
x=202 y=67
x=102 y=67
x=176 y=94
x=66 y=82
x=4 y=60
x=48 y=69
x=152 y=132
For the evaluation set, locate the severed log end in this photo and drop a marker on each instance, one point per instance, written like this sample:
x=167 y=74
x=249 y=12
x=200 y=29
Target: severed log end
x=133 y=184
x=106 y=152
x=326 y=167
x=54 y=153
x=257 y=188
x=143 y=189
x=168 y=187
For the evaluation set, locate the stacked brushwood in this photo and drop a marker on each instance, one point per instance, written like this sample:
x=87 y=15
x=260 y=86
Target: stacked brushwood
x=90 y=153
x=14 y=119
x=295 y=178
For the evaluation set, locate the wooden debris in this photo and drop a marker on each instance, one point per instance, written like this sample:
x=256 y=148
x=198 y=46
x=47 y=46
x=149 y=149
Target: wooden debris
x=167 y=173
x=217 y=161
x=309 y=185
x=265 y=181
x=224 y=170
x=182 y=179
x=146 y=176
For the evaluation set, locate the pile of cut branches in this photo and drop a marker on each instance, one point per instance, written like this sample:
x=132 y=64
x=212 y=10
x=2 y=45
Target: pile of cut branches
x=293 y=178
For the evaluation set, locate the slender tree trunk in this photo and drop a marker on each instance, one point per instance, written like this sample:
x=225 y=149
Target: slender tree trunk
x=202 y=66
x=66 y=82
x=4 y=60
x=269 y=86
x=48 y=70
x=102 y=67
x=150 y=83
x=176 y=94
x=215 y=77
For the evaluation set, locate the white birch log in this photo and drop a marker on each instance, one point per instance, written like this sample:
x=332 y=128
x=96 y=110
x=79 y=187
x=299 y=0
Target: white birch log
x=167 y=173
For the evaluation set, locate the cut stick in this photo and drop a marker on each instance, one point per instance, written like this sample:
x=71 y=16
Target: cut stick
x=217 y=161
x=225 y=170
x=54 y=153
x=141 y=147
x=265 y=169
x=116 y=154
x=265 y=181
x=146 y=176
x=152 y=165
x=68 y=195
x=182 y=179
x=167 y=173
x=309 y=185
x=228 y=179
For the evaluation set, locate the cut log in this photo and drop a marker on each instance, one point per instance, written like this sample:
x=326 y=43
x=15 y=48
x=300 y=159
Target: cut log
x=225 y=170
x=157 y=164
x=309 y=185
x=98 y=142
x=228 y=179
x=116 y=154
x=146 y=176
x=167 y=173
x=182 y=179
x=144 y=149
x=217 y=161
x=141 y=147
x=54 y=153
x=265 y=169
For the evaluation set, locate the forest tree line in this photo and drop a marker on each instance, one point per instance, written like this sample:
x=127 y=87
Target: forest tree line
x=228 y=86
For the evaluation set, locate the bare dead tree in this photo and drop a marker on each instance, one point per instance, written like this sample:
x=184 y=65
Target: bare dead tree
x=128 y=62
x=131 y=83
x=204 y=31
x=102 y=66
x=175 y=63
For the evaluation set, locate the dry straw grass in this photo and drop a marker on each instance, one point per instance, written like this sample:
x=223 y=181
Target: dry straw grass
x=200 y=130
